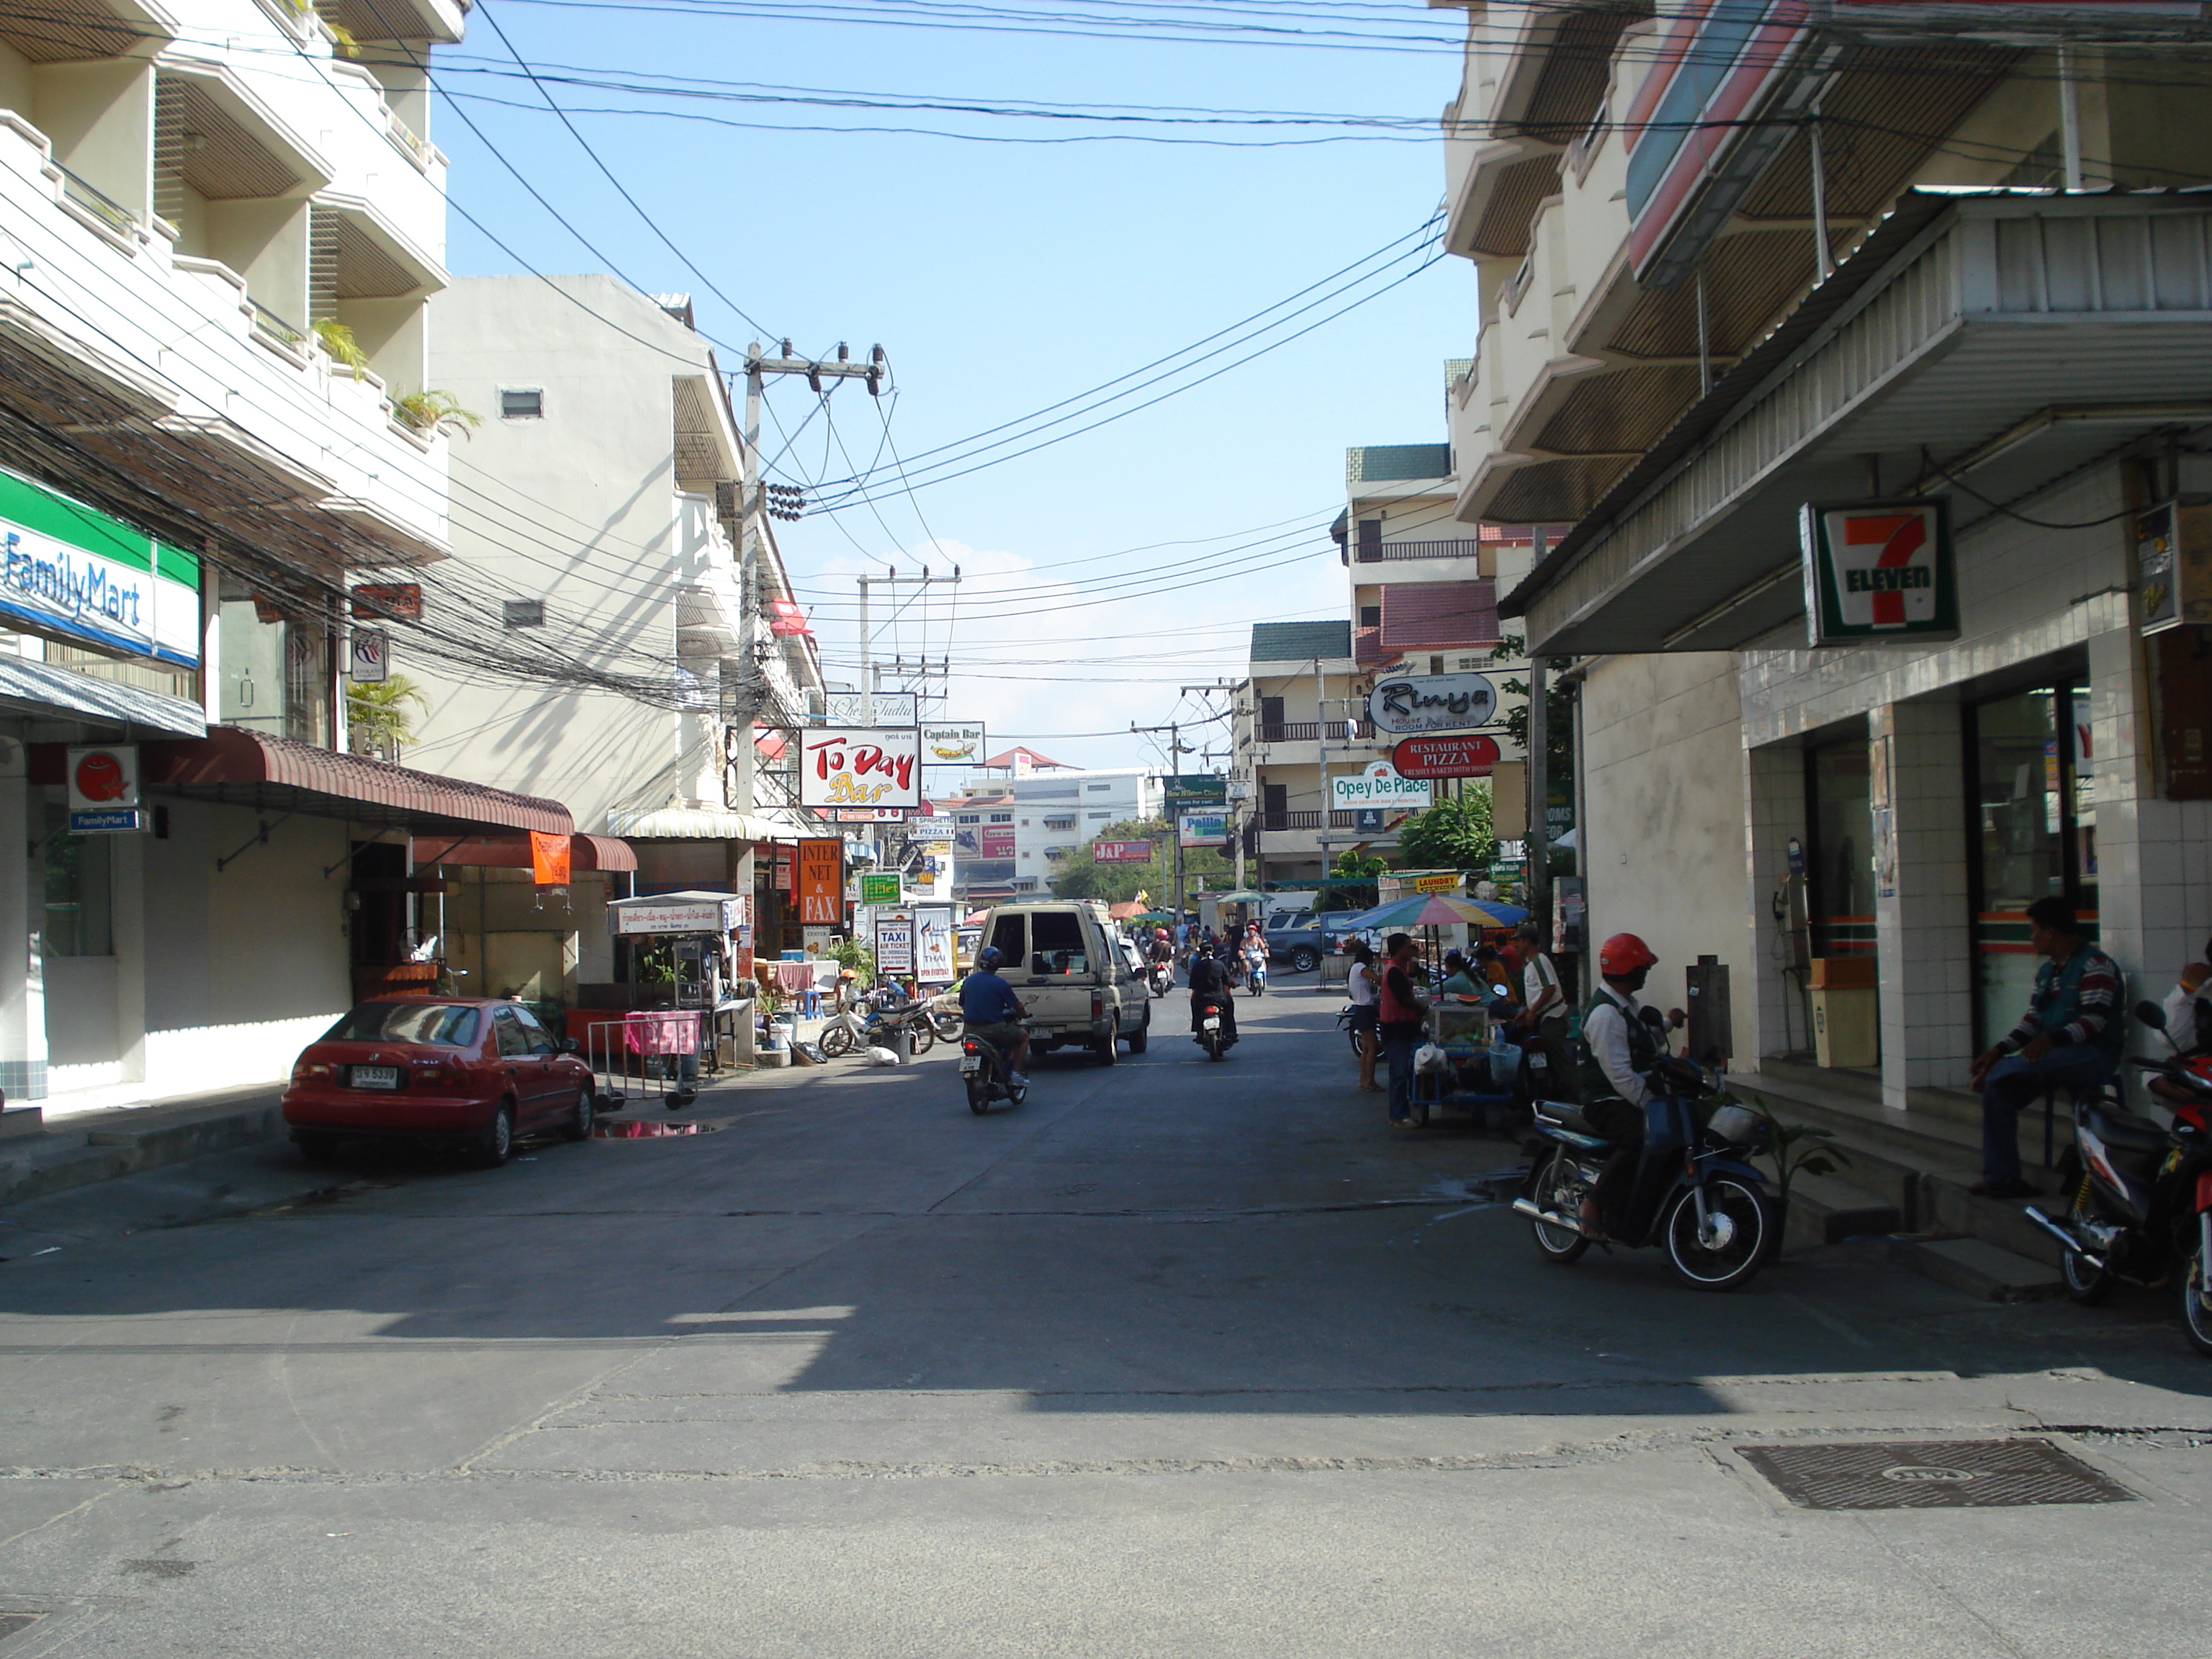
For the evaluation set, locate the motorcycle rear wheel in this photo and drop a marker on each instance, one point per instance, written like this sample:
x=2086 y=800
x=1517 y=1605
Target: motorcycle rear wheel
x=2195 y=1311
x=946 y=1024
x=2084 y=1284
x=1730 y=1265
x=979 y=1094
x=1560 y=1190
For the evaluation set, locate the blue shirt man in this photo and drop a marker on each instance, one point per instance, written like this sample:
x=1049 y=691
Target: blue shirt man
x=987 y=1000
x=990 y=1010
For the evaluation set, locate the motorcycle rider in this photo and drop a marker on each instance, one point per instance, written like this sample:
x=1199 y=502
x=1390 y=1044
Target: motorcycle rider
x=1208 y=984
x=990 y=1010
x=1616 y=1051
x=1255 y=955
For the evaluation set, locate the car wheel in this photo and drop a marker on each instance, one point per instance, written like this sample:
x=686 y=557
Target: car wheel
x=317 y=1148
x=497 y=1145
x=1139 y=1038
x=1106 y=1051
x=579 y=1125
x=1304 y=959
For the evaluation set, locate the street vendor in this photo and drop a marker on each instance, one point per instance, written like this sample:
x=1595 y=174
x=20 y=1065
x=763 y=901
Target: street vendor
x=1461 y=980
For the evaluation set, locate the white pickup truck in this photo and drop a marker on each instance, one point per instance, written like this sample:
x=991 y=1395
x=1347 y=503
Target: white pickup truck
x=1069 y=970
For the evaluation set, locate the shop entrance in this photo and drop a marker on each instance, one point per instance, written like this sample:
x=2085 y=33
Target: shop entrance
x=1839 y=862
x=2033 y=832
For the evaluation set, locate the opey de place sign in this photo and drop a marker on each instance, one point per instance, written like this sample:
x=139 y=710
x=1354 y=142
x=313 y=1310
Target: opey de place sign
x=1402 y=703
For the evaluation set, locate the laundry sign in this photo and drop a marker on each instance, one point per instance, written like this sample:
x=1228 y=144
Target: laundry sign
x=1879 y=571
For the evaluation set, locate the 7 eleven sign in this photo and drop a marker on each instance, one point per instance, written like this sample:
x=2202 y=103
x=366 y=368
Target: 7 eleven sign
x=1876 y=571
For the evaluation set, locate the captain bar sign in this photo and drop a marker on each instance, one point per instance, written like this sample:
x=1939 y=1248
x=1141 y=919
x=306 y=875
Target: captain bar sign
x=1879 y=571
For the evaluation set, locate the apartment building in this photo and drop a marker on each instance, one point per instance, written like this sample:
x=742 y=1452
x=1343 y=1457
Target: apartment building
x=1059 y=812
x=220 y=223
x=1709 y=337
x=594 y=511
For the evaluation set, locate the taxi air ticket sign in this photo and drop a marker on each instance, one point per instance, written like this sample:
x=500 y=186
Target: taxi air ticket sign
x=1879 y=571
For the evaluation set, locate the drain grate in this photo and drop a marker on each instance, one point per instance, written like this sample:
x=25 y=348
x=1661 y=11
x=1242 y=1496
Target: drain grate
x=1932 y=1474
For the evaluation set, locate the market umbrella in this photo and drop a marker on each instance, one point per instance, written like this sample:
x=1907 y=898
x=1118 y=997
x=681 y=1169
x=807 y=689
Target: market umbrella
x=1438 y=910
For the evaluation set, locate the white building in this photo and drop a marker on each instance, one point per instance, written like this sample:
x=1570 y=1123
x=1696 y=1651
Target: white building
x=1058 y=811
x=219 y=230
x=595 y=510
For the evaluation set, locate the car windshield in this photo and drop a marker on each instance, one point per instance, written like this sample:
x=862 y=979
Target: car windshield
x=450 y=1025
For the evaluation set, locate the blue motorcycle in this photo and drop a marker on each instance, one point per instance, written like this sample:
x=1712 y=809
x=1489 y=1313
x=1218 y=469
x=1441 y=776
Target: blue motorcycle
x=1695 y=1193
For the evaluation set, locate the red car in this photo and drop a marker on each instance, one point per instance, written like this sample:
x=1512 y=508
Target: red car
x=471 y=1071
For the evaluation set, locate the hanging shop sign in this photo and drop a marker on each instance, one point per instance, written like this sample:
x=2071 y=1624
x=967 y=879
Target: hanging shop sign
x=1403 y=703
x=403 y=600
x=1198 y=789
x=1879 y=571
x=2173 y=566
x=1379 y=786
x=1203 y=829
x=894 y=944
x=864 y=767
x=368 y=656
x=702 y=915
x=68 y=570
x=884 y=708
x=819 y=870
x=103 y=790
x=1120 y=852
x=1474 y=756
x=932 y=945
x=960 y=744
x=873 y=815
x=879 y=887
x=1441 y=881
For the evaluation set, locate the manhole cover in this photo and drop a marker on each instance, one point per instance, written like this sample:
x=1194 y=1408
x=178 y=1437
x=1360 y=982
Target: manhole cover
x=1932 y=1474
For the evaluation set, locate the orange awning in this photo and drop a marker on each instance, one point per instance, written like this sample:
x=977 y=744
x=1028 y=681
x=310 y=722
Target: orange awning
x=513 y=852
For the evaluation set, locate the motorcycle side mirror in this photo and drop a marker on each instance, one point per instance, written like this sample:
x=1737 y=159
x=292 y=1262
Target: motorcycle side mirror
x=2151 y=1015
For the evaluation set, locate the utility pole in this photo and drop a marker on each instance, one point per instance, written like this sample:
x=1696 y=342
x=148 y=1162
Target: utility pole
x=870 y=674
x=1174 y=729
x=1539 y=783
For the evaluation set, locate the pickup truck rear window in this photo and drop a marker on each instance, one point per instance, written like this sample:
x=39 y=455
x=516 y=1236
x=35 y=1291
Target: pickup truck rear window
x=1056 y=944
x=1009 y=936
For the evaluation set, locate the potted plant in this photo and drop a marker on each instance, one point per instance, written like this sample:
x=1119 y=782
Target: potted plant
x=436 y=411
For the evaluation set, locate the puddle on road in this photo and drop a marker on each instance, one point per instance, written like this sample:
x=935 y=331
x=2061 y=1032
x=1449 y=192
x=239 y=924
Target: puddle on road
x=647 y=1130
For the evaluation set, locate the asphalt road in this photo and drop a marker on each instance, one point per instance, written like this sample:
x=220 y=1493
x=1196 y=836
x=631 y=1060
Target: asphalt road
x=1178 y=1358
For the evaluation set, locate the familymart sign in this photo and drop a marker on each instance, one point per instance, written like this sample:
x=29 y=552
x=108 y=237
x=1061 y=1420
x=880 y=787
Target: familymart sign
x=68 y=570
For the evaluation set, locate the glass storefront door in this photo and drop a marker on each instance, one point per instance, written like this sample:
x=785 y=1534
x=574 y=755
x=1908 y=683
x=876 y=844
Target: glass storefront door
x=2033 y=833
x=1839 y=863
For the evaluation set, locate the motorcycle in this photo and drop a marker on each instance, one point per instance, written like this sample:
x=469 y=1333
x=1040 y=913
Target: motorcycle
x=860 y=1024
x=944 y=1015
x=1694 y=1195
x=1161 y=977
x=1255 y=977
x=1344 y=1018
x=1210 y=1035
x=983 y=1073
x=2141 y=1212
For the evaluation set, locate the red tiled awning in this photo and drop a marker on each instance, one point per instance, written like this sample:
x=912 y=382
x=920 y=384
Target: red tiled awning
x=240 y=768
x=513 y=852
x=1439 y=615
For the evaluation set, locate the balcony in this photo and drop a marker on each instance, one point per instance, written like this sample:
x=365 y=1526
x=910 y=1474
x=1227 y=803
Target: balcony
x=1957 y=328
x=1395 y=552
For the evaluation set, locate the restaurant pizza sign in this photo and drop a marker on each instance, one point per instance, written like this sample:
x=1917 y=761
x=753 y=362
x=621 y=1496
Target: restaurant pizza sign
x=845 y=766
x=1879 y=571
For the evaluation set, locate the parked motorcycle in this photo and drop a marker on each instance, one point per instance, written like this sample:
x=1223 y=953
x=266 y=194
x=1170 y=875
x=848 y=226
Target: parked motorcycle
x=944 y=1015
x=1694 y=1192
x=1211 y=1034
x=983 y=1073
x=1344 y=1018
x=860 y=1025
x=2141 y=1210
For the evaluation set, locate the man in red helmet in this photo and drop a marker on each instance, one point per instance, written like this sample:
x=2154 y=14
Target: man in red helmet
x=1617 y=1051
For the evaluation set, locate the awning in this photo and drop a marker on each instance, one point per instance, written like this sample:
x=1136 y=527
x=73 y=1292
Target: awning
x=513 y=852
x=240 y=768
x=1439 y=615
x=42 y=690
x=701 y=823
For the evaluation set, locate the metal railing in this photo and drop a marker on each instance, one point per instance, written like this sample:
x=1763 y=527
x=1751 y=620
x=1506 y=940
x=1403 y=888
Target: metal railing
x=652 y=1055
x=1311 y=731
x=1386 y=552
x=274 y=328
x=100 y=204
x=1306 y=820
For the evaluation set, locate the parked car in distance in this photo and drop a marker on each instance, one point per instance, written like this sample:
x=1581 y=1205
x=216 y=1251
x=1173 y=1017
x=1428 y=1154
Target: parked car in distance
x=473 y=1073
x=1303 y=938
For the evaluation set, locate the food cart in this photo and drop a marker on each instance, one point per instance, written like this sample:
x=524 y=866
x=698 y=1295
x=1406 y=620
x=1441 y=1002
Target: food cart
x=700 y=1010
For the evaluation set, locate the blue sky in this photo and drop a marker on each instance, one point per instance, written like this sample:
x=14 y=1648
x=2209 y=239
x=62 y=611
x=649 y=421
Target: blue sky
x=1001 y=277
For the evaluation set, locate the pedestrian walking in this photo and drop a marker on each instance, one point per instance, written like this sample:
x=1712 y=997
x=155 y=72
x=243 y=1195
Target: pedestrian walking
x=1402 y=1011
x=1365 y=1014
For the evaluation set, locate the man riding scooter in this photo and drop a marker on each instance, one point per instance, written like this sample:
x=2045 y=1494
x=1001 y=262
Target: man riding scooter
x=990 y=1010
x=1209 y=987
x=1616 y=1054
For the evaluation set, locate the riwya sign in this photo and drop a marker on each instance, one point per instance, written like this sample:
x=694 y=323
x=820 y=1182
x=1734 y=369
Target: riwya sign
x=843 y=767
x=1879 y=571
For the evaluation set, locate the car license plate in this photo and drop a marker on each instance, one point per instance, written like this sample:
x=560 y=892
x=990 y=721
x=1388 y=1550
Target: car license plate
x=1212 y=1025
x=376 y=1077
x=969 y=1064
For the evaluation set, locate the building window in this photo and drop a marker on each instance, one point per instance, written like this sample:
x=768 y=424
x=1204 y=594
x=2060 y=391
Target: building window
x=1059 y=824
x=523 y=403
x=1097 y=788
x=968 y=818
x=1025 y=855
x=80 y=909
x=1002 y=817
x=1108 y=813
x=1371 y=616
x=522 y=613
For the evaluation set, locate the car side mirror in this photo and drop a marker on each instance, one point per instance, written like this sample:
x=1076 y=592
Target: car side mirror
x=2151 y=1015
x=570 y=1046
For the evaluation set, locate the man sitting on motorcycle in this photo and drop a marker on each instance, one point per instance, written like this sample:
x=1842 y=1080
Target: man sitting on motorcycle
x=1209 y=985
x=1617 y=1051
x=2070 y=1037
x=1163 y=947
x=990 y=1010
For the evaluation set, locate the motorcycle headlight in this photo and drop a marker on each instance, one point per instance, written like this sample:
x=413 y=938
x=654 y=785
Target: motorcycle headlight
x=1736 y=1124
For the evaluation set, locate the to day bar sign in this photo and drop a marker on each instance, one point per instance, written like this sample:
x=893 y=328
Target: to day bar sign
x=1879 y=571
x=874 y=766
x=69 y=569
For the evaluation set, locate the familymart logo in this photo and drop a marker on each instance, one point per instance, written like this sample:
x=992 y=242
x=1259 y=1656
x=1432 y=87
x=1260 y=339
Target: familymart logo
x=79 y=589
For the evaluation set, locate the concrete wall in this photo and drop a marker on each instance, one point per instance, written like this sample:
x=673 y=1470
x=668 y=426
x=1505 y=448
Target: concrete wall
x=1664 y=843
